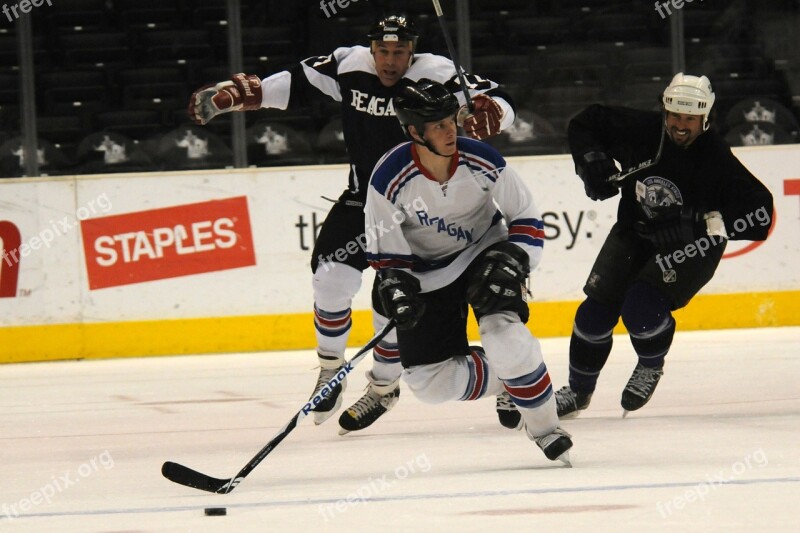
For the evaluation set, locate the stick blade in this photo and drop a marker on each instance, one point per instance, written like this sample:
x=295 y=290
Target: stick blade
x=187 y=477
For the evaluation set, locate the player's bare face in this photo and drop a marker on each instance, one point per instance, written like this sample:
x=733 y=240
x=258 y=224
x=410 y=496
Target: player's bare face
x=391 y=60
x=442 y=135
x=683 y=129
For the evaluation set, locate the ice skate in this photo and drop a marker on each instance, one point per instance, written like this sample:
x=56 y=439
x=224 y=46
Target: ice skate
x=640 y=388
x=329 y=367
x=555 y=445
x=507 y=412
x=374 y=404
x=569 y=403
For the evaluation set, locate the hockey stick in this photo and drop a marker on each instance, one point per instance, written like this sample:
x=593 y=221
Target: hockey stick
x=619 y=176
x=191 y=478
x=450 y=48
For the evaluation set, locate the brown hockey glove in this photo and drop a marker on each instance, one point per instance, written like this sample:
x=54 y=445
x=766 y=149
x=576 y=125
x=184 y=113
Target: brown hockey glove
x=484 y=121
x=242 y=93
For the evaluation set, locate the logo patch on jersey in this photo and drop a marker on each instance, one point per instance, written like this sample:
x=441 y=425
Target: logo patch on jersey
x=372 y=105
x=670 y=276
x=655 y=193
x=442 y=226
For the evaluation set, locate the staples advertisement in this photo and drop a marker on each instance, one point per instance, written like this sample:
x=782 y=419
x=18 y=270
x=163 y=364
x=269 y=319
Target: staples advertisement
x=168 y=242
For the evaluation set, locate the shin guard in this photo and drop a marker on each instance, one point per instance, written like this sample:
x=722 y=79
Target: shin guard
x=590 y=344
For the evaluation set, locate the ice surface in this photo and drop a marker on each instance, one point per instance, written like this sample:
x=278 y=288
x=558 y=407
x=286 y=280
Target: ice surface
x=716 y=449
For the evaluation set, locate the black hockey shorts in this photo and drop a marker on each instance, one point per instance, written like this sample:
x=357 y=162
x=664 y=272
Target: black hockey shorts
x=441 y=332
x=341 y=238
x=626 y=258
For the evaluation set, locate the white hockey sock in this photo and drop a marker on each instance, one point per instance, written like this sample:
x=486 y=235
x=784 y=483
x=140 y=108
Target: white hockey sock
x=510 y=347
x=386 y=367
x=517 y=356
x=460 y=378
x=382 y=386
x=542 y=420
x=334 y=286
x=534 y=398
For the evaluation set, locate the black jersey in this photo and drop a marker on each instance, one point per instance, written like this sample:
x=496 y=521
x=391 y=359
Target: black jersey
x=368 y=119
x=705 y=175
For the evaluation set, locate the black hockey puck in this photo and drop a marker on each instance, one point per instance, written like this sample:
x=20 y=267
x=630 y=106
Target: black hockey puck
x=216 y=511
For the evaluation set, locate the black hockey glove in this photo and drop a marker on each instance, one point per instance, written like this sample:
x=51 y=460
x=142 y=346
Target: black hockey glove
x=673 y=226
x=595 y=169
x=501 y=279
x=399 y=294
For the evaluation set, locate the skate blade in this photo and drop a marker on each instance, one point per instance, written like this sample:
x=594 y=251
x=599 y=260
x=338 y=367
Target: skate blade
x=322 y=416
x=343 y=431
x=625 y=413
x=564 y=458
x=319 y=418
x=570 y=416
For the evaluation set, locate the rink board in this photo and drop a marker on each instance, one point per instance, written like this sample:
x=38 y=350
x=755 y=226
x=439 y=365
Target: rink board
x=218 y=261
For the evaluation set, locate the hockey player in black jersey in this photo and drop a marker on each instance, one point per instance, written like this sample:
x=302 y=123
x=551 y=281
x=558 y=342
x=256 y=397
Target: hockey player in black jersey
x=364 y=80
x=673 y=221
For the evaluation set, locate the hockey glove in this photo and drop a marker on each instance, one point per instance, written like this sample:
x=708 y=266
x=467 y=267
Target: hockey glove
x=674 y=226
x=242 y=93
x=595 y=169
x=501 y=279
x=399 y=295
x=484 y=121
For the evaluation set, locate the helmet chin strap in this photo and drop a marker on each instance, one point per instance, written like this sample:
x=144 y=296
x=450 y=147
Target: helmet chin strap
x=427 y=144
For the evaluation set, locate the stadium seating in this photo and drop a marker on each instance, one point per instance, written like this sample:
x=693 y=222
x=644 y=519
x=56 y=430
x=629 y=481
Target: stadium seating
x=330 y=142
x=191 y=147
x=276 y=144
x=52 y=160
x=108 y=151
x=127 y=67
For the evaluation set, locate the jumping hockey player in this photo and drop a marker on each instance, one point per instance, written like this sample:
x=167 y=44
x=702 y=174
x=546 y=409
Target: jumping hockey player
x=364 y=80
x=459 y=229
x=673 y=222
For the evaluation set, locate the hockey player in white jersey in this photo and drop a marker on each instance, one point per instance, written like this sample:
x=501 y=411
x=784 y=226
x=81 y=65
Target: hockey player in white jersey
x=451 y=225
x=364 y=80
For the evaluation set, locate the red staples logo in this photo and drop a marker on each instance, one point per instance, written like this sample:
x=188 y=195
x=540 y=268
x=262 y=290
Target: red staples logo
x=9 y=262
x=167 y=243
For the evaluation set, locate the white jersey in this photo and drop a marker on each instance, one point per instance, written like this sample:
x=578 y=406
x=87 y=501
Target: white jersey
x=436 y=230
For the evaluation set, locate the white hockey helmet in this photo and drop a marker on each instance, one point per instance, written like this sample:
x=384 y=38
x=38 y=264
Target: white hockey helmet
x=690 y=95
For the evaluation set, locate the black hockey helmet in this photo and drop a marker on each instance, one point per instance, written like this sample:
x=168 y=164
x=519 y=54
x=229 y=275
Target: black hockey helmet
x=394 y=28
x=424 y=101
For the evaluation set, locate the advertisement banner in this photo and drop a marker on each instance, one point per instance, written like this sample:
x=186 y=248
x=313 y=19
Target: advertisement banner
x=169 y=242
x=228 y=243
